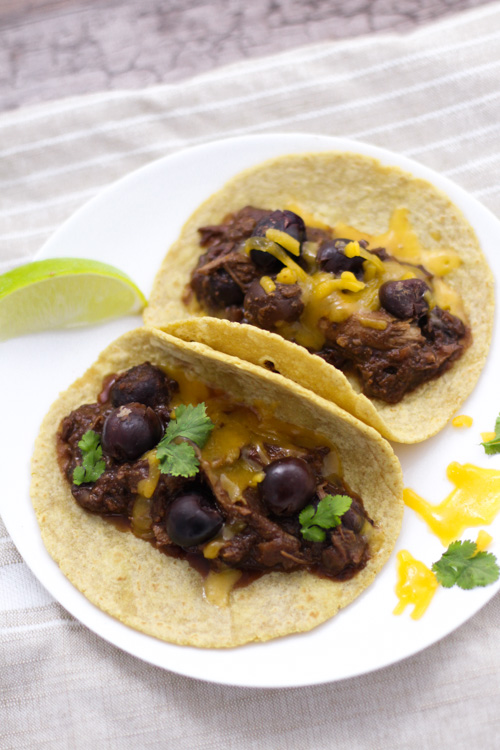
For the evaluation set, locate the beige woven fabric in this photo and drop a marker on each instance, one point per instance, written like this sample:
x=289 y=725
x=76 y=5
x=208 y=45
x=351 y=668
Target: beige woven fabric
x=433 y=95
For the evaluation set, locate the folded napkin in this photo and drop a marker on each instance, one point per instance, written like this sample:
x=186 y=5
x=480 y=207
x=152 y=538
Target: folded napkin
x=433 y=95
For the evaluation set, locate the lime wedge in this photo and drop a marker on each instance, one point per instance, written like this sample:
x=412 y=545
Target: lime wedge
x=64 y=292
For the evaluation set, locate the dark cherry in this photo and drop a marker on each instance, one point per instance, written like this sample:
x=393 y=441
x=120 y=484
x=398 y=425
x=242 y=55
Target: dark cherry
x=192 y=520
x=223 y=289
x=405 y=298
x=131 y=430
x=332 y=259
x=285 y=221
x=144 y=384
x=289 y=484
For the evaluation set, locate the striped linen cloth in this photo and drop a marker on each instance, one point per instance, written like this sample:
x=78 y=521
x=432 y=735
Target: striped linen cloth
x=433 y=95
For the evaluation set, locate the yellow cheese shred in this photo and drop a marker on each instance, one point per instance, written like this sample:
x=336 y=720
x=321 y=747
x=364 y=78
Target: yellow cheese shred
x=483 y=540
x=285 y=240
x=487 y=436
x=462 y=420
x=267 y=284
x=335 y=299
x=286 y=276
x=354 y=249
x=416 y=585
x=147 y=486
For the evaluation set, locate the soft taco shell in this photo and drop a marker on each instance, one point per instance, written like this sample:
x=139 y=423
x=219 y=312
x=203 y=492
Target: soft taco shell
x=358 y=191
x=162 y=596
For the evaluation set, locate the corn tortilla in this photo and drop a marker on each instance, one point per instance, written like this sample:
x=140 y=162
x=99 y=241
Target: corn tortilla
x=161 y=596
x=358 y=191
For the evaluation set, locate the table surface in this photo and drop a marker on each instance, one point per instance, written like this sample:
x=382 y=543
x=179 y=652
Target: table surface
x=56 y=48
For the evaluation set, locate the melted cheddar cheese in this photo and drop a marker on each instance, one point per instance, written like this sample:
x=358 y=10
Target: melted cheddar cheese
x=225 y=461
x=146 y=487
x=462 y=420
x=336 y=299
x=218 y=586
x=237 y=427
x=474 y=501
x=416 y=585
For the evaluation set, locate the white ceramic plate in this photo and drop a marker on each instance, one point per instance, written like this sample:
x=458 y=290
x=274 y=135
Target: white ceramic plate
x=130 y=225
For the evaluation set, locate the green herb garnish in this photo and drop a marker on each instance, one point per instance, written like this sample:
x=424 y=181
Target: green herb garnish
x=179 y=458
x=464 y=566
x=92 y=461
x=326 y=516
x=493 y=446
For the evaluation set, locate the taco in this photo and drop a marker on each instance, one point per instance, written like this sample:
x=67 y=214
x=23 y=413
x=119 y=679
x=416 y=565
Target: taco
x=207 y=502
x=356 y=280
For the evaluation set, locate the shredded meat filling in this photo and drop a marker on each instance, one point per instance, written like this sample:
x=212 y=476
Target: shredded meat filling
x=395 y=360
x=415 y=346
x=258 y=541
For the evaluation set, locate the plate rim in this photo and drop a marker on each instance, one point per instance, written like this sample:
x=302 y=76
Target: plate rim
x=327 y=143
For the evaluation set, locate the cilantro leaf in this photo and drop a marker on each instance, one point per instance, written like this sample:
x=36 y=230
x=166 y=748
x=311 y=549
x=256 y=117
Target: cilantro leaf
x=78 y=475
x=330 y=509
x=90 y=441
x=93 y=464
x=192 y=423
x=326 y=516
x=482 y=571
x=179 y=458
x=307 y=515
x=462 y=565
x=314 y=534
x=493 y=446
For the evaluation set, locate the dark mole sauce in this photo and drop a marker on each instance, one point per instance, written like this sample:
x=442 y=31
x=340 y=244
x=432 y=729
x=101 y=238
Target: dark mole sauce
x=107 y=384
x=121 y=523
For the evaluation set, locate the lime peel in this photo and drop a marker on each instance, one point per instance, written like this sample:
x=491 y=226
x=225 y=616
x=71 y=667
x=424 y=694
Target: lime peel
x=62 y=293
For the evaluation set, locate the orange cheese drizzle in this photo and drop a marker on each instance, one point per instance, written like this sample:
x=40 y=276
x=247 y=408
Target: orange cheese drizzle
x=474 y=501
x=417 y=584
x=462 y=420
